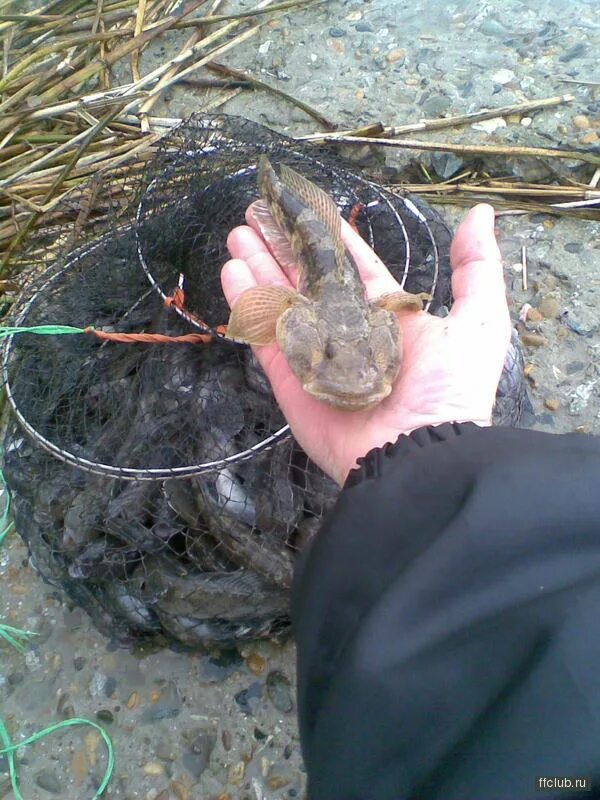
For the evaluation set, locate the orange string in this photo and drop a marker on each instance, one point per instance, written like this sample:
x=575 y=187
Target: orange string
x=152 y=338
x=176 y=300
x=353 y=216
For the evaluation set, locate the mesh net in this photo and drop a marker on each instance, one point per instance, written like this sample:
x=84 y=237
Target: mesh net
x=159 y=485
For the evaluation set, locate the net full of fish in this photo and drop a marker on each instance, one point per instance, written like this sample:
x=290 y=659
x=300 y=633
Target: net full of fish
x=158 y=485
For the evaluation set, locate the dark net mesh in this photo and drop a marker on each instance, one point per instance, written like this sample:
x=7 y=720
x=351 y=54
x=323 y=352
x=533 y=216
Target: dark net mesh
x=158 y=484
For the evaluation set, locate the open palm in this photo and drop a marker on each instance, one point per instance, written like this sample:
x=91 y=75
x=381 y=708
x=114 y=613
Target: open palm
x=450 y=366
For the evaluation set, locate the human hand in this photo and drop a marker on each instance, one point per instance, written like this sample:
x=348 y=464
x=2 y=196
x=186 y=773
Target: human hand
x=450 y=366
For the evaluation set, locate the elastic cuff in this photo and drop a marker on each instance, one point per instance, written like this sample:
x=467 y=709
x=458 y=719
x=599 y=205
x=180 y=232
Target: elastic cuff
x=373 y=464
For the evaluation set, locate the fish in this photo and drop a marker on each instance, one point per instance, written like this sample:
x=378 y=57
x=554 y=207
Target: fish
x=245 y=546
x=344 y=349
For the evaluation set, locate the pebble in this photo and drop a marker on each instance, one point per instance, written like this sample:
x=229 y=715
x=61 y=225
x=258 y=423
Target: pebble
x=180 y=790
x=549 y=307
x=133 y=701
x=589 y=138
x=197 y=759
x=503 y=76
x=256 y=664
x=534 y=315
x=168 y=707
x=47 y=780
x=338 y=46
x=226 y=740
x=110 y=686
x=277 y=782
x=337 y=33
x=489 y=125
x=395 y=55
x=79 y=663
x=236 y=773
x=364 y=27
x=490 y=27
x=279 y=691
x=97 y=684
x=79 y=766
x=573 y=52
x=249 y=698
x=581 y=121
x=154 y=769
x=533 y=340
x=104 y=715
x=552 y=404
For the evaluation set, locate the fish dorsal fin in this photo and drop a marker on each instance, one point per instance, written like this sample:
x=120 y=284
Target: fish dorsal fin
x=320 y=203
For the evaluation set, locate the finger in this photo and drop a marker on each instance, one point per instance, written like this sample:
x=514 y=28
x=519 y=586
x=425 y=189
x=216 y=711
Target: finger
x=477 y=276
x=373 y=272
x=236 y=277
x=246 y=244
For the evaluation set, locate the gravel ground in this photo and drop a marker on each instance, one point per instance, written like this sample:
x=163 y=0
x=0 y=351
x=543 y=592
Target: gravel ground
x=222 y=725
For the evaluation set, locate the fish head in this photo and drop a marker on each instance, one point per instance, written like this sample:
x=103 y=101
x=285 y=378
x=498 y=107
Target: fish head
x=349 y=372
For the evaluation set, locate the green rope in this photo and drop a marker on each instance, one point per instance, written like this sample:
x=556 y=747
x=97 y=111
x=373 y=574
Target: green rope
x=43 y=330
x=9 y=750
x=13 y=637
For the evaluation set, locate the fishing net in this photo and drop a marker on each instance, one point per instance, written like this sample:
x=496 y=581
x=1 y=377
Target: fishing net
x=157 y=483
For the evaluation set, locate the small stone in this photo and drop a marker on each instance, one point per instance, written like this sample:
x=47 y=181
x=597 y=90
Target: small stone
x=154 y=696
x=533 y=340
x=106 y=716
x=397 y=54
x=279 y=691
x=573 y=52
x=549 y=307
x=236 y=773
x=526 y=122
x=360 y=95
x=97 y=684
x=552 y=404
x=364 y=27
x=548 y=224
x=201 y=748
x=489 y=125
x=226 y=740
x=589 y=138
x=503 y=76
x=133 y=701
x=79 y=663
x=154 y=769
x=79 y=766
x=277 y=782
x=249 y=698
x=110 y=686
x=534 y=315
x=256 y=664
x=581 y=121
x=513 y=119
x=338 y=46
x=180 y=790
x=337 y=33
x=48 y=781
x=573 y=247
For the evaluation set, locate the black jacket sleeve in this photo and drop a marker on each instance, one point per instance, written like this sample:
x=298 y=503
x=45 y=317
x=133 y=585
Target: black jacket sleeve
x=447 y=618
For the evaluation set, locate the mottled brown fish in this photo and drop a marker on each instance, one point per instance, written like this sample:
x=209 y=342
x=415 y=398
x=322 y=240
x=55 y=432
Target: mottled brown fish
x=344 y=349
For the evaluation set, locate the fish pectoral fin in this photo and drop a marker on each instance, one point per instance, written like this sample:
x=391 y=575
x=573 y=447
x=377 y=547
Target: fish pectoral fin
x=253 y=319
x=400 y=301
x=276 y=239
